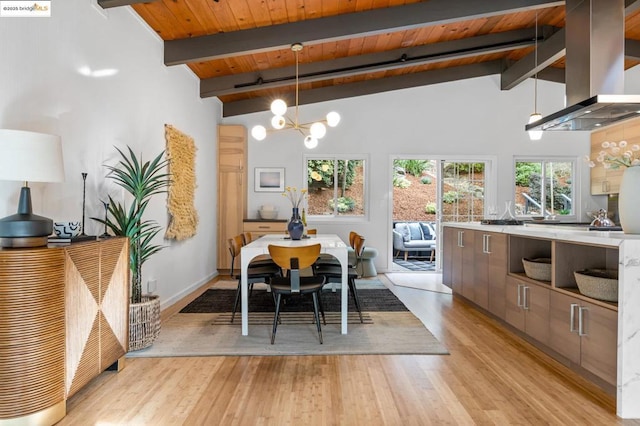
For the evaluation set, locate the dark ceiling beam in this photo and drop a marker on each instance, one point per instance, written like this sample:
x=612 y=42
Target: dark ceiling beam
x=632 y=49
x=106 y=4
x=362 y=64
x=367 y=87
x=631 y=6
x=341 y=27
x=553 y=49
x=549 y=51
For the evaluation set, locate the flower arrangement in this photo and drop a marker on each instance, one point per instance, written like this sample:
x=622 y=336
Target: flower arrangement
x=615 y=155
x=295 y=196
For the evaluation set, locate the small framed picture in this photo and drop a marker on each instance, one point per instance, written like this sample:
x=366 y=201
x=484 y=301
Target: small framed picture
x=269 y=179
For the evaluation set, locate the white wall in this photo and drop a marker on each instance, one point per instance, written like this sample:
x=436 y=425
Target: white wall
x=43 y=91
x=466 y=118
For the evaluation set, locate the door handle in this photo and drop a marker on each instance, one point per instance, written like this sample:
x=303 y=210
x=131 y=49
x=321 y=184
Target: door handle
x=581 y=311
x=525 y=293
x=572 y=318
x=460 y=238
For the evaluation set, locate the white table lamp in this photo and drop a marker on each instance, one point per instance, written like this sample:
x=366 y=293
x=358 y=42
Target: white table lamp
x=28 y=157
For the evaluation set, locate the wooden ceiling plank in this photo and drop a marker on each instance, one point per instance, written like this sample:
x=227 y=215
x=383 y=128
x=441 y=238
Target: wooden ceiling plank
x=187 y=18
x=160 y=18
x=338 y=27
x=373 y=62
x=367 y=87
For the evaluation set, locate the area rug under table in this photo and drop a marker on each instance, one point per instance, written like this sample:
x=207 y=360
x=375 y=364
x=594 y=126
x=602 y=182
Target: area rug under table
x=389 y=328
x=201 y=335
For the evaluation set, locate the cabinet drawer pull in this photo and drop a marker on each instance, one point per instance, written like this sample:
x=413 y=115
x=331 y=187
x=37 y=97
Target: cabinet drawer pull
x=263 y=227
x=581 y=311
x=486 y=244
x=520 y=305
x=525 y=301
x=572 y=318
x=460 y=238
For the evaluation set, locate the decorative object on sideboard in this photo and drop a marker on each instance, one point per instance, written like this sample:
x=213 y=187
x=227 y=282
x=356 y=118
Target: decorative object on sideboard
x=268 y=212
x=310 y=131
x=84 y=191
x=616 y=155
x=181 y=154
x=105 y=234
x=28 y=157
x=142 y=181
x=537 y=268
x=67 y=229
x=601 y=284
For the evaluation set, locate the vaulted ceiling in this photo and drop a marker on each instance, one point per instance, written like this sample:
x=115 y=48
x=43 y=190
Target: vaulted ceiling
x=240 y=49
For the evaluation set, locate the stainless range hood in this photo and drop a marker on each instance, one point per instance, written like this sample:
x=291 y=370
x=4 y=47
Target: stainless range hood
x=591 y=114
x=594 y=71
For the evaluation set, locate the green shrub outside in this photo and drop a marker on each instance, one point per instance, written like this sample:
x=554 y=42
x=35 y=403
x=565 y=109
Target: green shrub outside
x=345 y=204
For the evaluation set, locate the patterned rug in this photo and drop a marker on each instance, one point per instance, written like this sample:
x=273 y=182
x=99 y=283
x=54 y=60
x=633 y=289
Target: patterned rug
x=261 y=301
x=415 y=265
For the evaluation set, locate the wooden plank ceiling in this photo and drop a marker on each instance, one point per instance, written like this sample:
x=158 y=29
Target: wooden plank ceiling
x=240 y=49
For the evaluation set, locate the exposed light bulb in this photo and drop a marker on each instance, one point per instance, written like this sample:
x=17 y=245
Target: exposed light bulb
x=333 y=118
x=535 y=135
x=259 y=132
x=310 y=142
x=278 y=107
x=278 y=122
x=318 y=130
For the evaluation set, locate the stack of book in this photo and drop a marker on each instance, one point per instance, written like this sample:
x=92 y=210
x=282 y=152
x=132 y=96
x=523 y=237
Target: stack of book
x=58 y=240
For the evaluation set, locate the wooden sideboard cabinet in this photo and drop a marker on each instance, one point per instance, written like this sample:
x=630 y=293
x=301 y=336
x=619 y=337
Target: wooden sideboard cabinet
x=63 y=320
x=258 y=228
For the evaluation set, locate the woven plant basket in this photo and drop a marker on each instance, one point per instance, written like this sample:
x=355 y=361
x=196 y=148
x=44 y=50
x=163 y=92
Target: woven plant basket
x=599 y=284
x=144 y=322
x=537 y=269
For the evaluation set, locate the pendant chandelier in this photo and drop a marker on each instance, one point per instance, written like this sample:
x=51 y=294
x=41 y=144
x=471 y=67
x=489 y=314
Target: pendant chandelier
x=535 y=135
x=310 y=131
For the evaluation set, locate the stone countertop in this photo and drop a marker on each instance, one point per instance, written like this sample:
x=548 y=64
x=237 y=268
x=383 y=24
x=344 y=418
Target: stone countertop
x=554 y=232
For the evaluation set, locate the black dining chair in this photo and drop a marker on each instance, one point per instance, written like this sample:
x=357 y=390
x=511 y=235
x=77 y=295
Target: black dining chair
x=333 y=273
x=293 y=259
x=257 y=272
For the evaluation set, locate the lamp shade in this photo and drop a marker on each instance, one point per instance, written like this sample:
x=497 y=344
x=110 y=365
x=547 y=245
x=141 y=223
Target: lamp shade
x=30 y=156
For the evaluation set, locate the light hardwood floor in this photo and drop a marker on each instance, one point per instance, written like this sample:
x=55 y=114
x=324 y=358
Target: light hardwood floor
x=490 y=377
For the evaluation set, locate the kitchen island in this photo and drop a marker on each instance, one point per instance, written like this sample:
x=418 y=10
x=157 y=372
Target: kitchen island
x=599 y=339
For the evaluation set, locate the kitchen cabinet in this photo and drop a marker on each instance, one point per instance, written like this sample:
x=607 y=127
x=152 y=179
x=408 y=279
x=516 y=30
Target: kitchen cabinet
x=584 y=333
x=496 y=252
x=527 y=308
x=232 y=187
x=475 y=265
x=458 y=260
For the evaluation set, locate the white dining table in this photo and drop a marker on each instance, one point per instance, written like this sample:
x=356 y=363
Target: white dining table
x=329 y=243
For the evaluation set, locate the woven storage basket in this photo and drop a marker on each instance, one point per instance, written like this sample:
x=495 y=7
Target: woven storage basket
x=538 y=268
x=601 y=284
x=144 y=322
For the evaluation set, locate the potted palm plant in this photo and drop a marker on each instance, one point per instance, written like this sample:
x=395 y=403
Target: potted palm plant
x=142 y=181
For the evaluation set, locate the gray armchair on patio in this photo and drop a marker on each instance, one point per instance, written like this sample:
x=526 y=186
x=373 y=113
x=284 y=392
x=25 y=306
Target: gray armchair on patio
x=414 y=237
